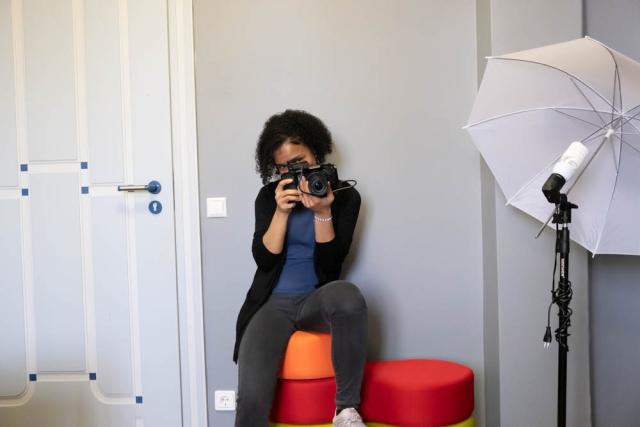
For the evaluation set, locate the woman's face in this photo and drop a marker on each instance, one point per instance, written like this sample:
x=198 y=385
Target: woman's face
x=288 y=152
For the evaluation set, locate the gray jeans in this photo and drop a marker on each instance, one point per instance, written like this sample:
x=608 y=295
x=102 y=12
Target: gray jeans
x=337 y=307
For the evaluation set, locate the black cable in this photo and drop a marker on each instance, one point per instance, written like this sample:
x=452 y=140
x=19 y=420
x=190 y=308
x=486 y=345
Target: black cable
x=560 y=297
x=547 y=335
x=336 y=190
x=346 y=188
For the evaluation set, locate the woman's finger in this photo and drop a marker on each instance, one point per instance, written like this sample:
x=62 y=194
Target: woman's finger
x=291 y=192
x=304 y=184
x=308 y=199
x=283 y=182
x=287 y=196
x=291 y=197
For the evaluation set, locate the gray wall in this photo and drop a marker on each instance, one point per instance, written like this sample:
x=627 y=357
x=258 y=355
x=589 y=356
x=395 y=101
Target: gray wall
x=527 y=372
x=615 y=288
x=447 y=270
x=395 y=82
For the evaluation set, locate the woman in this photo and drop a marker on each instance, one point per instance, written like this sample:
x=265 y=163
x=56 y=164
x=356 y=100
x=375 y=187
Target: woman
x=299 y=245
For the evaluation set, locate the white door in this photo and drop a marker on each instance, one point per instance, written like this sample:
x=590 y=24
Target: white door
x=88 y=310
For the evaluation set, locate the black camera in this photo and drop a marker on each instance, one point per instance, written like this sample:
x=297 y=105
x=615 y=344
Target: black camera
x=318 y=177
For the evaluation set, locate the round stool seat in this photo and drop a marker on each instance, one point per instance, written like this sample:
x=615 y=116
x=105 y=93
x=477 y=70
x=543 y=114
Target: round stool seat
x=466 y=423
x=308 y=356
x=304 y=401
x=408 y=393
x=298 y=425
x=417 y=393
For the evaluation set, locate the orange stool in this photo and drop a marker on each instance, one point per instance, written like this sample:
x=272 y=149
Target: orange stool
x=308 y=356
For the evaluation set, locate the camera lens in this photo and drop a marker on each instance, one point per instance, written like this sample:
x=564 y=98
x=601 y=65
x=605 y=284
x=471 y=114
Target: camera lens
x=317 y=184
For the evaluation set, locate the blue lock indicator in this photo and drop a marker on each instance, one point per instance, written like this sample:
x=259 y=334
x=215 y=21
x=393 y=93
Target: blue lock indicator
x=155 y=207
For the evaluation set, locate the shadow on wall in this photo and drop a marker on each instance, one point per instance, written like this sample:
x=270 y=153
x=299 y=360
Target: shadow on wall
x=375 y=323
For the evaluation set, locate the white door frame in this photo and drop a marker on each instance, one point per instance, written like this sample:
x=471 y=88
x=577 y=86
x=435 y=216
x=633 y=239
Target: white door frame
x=187 y=213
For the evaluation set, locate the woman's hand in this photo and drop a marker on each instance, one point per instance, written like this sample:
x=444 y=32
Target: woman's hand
x=286 y=199
x=320 y=206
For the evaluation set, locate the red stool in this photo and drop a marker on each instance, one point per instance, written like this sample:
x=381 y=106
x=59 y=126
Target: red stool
x=304 y=401
x=417 y=393
x=306 y=390
x=408 y=393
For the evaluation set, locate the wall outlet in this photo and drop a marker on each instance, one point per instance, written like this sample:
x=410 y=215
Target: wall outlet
x=225 y=400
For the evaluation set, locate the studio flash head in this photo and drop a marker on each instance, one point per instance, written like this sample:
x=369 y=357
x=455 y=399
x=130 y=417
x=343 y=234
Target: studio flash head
x=563 y=171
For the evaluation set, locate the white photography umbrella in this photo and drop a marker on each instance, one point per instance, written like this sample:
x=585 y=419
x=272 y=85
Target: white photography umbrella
x=533 y=104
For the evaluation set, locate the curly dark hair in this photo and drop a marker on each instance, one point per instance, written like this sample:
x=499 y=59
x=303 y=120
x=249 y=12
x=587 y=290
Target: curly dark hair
x=297 y=126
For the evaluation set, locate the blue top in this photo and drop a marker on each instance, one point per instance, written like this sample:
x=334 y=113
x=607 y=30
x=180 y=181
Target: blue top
x=298 y=275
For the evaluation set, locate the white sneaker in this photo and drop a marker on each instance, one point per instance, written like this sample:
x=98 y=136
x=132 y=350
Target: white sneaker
x=348 y=417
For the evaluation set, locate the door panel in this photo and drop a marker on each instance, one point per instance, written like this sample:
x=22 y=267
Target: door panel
x=13 y=369
x=104 y=94
x=54 y=200
x=113 y=337
x=49 y=79
x=88 y=275
x=8 y=151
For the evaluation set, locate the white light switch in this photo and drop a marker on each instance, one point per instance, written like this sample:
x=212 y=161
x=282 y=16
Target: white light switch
x=216 y=207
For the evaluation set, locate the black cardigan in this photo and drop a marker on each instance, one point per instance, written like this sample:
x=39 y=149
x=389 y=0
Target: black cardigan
x=328 y=256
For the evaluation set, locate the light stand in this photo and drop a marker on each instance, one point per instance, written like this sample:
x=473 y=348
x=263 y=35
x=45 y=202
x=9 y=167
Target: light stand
x=563 y=171
x=562 y=298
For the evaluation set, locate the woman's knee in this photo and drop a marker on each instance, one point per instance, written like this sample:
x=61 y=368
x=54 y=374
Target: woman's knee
x=345 y=298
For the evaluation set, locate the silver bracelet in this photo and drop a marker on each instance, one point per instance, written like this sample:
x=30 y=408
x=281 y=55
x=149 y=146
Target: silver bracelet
x=317 y=218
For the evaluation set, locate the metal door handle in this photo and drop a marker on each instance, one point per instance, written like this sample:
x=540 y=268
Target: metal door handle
x=153 y=187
